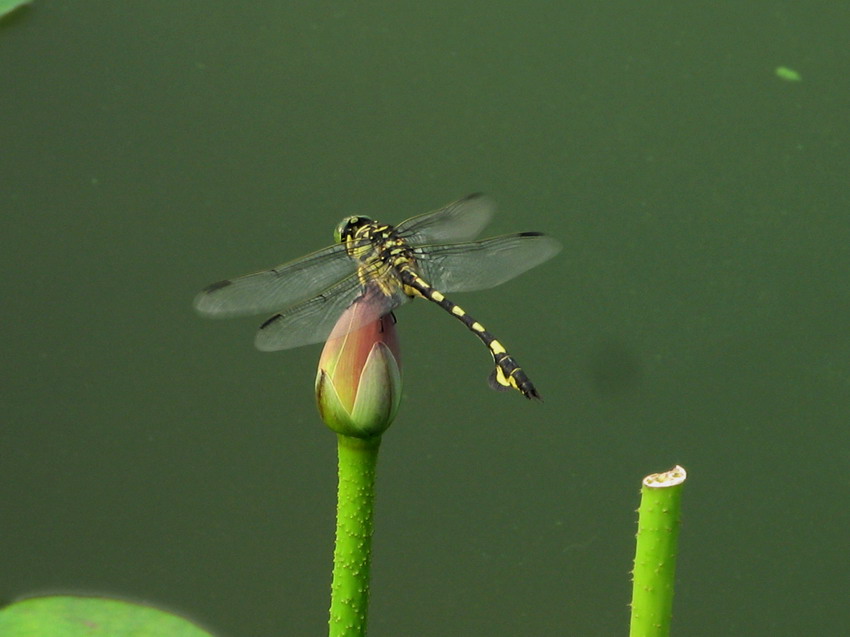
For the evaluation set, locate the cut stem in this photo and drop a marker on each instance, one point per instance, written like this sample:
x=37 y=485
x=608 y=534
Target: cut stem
x=353 y=550
x=655 y=554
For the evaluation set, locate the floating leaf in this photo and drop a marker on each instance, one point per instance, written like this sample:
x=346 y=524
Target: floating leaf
x=789 y=75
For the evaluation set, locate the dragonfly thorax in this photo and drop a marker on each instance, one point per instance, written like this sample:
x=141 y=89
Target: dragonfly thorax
x=375 y=246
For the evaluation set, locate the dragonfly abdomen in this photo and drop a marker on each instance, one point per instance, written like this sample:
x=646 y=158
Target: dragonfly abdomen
x=507 y=372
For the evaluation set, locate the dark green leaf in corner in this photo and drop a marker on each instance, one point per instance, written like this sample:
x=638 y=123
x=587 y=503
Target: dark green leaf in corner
x=7 y=6
x=70 y=616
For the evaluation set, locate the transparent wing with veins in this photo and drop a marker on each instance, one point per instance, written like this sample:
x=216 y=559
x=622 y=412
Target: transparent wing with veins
x=276 y=289
x=313 y=320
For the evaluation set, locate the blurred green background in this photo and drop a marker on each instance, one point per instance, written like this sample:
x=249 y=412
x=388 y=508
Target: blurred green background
x=697 y=315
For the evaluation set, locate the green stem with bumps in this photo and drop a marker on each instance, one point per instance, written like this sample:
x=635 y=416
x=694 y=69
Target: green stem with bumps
x=353 y=550
x=655 y=554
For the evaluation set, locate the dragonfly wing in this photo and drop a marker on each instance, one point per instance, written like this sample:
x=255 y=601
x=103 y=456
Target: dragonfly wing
x=313 y=320
x=478 y=265
x=278 y=288
x=461 y=220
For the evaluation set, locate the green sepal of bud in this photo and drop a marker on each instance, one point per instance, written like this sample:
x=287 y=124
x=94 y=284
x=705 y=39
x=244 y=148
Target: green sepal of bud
x=376 y=398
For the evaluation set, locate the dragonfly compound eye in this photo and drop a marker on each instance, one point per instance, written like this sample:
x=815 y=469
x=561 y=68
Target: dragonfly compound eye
x=346 y=228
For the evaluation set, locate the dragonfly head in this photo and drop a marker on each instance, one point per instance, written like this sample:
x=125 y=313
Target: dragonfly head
x=348 y=227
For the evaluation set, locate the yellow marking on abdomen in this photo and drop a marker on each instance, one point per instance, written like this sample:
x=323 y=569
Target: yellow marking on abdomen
x=457 y=311
x=497 y=348
x=477 y=327
x=500 y=377
x=437 y=296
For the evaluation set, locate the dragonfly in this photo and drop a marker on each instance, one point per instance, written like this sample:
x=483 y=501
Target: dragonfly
x=426 y=256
